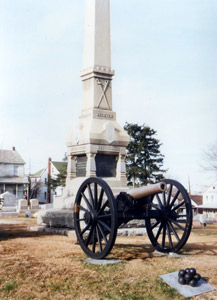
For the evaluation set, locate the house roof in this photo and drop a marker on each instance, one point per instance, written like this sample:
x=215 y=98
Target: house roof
x=10 y=157
x=198 y=199
x=60 y=165
x=38 y=174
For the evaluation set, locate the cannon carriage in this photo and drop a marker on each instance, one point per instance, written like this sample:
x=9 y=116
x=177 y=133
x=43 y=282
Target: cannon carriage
x=165 y=207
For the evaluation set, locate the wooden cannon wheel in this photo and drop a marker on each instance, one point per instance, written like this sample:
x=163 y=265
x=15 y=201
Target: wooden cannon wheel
x=169 y=218
x=95 y=218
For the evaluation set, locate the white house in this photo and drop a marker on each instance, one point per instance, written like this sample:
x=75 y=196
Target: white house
x=45 y=194
x=12 y=173
x=209 y=206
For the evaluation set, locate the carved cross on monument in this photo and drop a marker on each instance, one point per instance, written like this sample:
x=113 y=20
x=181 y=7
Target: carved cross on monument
x=104 y=89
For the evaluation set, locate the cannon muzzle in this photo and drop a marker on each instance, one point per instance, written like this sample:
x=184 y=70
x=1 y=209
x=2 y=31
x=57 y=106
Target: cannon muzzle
x=146 y=191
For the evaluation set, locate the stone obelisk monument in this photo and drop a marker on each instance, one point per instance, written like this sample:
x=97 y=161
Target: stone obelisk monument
x=97 y=144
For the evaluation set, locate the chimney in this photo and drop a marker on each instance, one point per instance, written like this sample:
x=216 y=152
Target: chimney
x=13 y=148
x=49 y=178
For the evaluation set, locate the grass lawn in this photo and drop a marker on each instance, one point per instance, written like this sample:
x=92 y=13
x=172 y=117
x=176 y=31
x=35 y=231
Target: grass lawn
x=41 y=266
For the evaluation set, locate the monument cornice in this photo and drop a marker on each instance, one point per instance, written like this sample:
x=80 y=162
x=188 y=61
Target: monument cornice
x=97 y=71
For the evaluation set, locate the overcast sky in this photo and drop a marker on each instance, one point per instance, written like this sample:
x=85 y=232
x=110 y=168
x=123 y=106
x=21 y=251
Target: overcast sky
x=164 y=53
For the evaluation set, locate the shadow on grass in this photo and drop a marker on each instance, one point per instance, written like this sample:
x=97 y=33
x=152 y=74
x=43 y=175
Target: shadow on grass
x=200 y=248
x=143 y=252
x=12 y=231
x=130 y=251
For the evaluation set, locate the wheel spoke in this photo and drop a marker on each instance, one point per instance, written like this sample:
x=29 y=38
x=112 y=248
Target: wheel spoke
x=169 y=236
x=85 y=229
x=155 y=206
x=99 y=239
x=169 y=195
x=94 y=241
x=159 y=201
x=102 y=233
x=79 y=220
x=181 y=216
x=90 y=195
x=177 y=224
x=104 y=216
x=87 y=241
x=164 y=199
x=174 y=199
x=82 y=208
x=95 y=195
x=164 y=235
x=103 y=207
x=86 y=201
x=182 y=221
x=174 y=231
x=105 y=225
x=159 y=231
x=155 y=224
x=178 y=205
x=100 y=199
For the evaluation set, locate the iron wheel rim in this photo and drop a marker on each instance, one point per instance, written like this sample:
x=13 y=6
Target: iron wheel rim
x=95 y=218
x=169 y=230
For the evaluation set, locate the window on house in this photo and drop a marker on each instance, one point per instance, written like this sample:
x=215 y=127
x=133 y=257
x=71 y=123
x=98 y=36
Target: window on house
x=45 y=180
x=45 y=195
x=15 y=170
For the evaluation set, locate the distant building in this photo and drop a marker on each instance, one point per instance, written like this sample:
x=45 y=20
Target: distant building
x=45 y=194
x=12 y=173
x=209 y=206
x=196 y=200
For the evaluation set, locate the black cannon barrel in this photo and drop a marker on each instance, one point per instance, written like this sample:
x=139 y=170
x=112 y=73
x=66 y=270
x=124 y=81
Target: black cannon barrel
x=148 y=190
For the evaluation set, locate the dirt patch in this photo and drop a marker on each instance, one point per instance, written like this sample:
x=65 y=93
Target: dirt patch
x=37 y=265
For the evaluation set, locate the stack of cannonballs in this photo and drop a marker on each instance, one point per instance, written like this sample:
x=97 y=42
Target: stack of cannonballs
x=189 y=276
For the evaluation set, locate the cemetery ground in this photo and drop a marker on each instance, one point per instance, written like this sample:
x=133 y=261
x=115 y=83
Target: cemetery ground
x=36 y=265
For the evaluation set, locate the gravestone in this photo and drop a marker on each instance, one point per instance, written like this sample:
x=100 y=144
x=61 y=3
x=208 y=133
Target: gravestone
x=22 y=206
x=8 y=205
x=34 y=205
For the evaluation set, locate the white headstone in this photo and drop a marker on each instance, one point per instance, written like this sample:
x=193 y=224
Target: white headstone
x=22 y=205
x=34 y=204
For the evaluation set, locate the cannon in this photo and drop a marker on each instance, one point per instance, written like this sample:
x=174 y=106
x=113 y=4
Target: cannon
x=165 y=207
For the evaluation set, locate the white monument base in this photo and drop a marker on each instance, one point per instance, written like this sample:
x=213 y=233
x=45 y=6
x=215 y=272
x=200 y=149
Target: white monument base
x=66 y=201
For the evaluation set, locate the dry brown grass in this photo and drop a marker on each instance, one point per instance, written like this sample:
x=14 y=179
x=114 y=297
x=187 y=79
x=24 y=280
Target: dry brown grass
x=40 y=266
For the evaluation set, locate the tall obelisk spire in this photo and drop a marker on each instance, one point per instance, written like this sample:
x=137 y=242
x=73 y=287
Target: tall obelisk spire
x=97 y=48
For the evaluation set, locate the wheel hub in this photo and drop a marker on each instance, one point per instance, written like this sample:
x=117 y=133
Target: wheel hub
x=90 y=217
x=165 y=214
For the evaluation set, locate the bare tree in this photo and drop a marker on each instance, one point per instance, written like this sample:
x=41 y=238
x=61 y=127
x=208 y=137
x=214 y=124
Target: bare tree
x=210 y=158
x=34 y=189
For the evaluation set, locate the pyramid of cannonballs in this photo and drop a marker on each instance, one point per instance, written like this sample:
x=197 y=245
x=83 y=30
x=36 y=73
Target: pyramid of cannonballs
x=189 y=276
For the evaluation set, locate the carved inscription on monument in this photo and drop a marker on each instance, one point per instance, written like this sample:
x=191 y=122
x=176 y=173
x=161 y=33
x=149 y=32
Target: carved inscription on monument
x=106 y=165
x=81 y=163
x=103 y=115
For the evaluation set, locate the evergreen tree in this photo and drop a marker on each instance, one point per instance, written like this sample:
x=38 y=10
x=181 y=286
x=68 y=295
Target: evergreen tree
x=144 y=159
